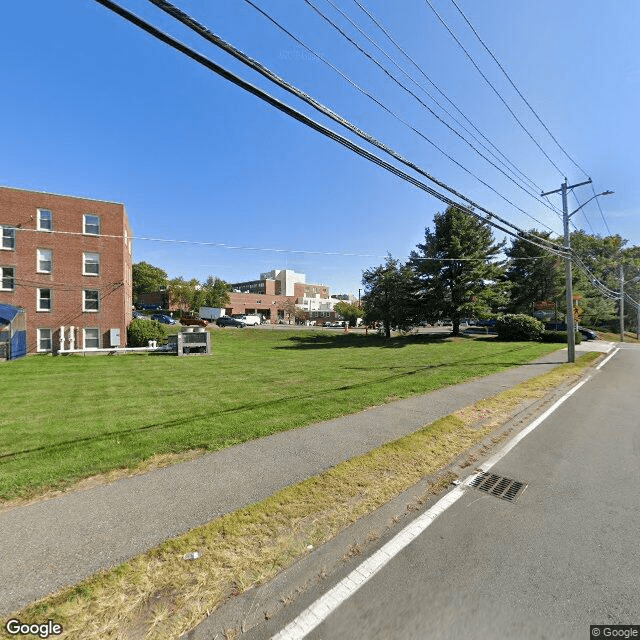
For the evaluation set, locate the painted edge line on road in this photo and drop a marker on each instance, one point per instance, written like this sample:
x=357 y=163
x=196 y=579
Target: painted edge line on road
x=311 y=617
x=322 y=608
x=527 y=430
x=613 y=353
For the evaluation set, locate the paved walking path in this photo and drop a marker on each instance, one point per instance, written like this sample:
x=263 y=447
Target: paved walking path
x=60 y=541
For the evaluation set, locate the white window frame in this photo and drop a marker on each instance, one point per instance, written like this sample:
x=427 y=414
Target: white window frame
x=84 y=224
x=84 y=300
x=2 y=278
x=2 y=237
x=41 y=338
x=39 y=306
x=39 y=259
x=85 y=256
x=40 y=227
x=84 y=337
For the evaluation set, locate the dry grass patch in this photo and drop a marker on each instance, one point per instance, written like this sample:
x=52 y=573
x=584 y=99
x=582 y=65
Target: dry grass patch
x=159 y=595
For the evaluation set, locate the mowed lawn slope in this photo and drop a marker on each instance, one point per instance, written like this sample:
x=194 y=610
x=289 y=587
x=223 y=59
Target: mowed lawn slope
x=66 y=418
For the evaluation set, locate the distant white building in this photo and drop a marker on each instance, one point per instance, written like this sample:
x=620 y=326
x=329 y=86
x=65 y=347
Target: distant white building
x=287 y=279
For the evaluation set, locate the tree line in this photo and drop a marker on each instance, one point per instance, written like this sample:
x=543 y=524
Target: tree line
x=461 y=271
x=187 y=294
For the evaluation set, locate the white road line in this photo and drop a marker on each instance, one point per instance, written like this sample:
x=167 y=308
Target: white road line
x=311 y=617
x=608 y=358
x=322 y=608
x=527 y=430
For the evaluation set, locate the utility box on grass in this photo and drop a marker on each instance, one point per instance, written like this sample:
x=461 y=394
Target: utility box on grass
x=191 y=343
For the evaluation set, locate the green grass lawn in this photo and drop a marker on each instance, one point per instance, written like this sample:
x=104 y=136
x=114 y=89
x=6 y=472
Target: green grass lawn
x=66 y=418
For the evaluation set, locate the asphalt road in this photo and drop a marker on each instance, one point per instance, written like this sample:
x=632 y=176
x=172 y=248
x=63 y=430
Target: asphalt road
x=58 y=542
x=563 y=557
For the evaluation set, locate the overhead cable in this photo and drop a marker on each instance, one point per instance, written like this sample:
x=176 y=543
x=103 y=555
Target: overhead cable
x=393 y=41
x=397 y=117
x=435 y=115
x=597 y=199
x=466 y=19
x=211 y=37
x=498 y=94
x=516 y=88
x=417 y=84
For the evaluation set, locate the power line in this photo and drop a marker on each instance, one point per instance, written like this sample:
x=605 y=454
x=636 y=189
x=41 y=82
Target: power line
x=397 y=117
x=300 y=117
x=597 y=199
x=425 y=91
x=498 y=94
x=211 y=37
x=435 y=115
x=516 y=88
x=546 y=128
x=385 y=31
x=218 y=245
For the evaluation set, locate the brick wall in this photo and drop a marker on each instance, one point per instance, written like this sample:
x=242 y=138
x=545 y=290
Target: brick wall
x=66 y=282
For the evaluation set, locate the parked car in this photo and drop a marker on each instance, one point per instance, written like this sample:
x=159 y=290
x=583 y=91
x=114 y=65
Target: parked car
x=188 y=320
x=138 y=314
x=161 y=317
x=328 y=324
x=227 y=321
x=588 y=334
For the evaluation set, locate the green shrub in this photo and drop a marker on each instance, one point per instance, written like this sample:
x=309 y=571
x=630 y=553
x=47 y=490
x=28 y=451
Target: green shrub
x=518 y=326
x=140 y=331
x=559 y=336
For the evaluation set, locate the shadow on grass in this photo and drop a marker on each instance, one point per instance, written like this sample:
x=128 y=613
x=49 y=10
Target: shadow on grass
x=266 y=404
x=350 y=340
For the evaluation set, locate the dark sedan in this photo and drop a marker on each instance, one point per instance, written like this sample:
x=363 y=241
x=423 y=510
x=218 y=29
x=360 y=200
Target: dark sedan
x=227 y=321
x=161 y=317
x=588 y=334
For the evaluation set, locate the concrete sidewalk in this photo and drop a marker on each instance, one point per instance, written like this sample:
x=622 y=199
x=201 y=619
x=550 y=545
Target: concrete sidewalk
x=59 y=541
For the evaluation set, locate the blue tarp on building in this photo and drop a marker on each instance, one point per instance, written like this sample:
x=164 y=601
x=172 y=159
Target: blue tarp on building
x=13 y=332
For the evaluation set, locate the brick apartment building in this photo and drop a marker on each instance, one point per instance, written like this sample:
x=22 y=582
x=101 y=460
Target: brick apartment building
x=67 y=262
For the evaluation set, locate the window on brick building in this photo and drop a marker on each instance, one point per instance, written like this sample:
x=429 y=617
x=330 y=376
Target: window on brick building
x=91 y=224
x=44 y=339
x=7 y=237
x=90 y=300
x=91 y=338
x=7 y=278
x=45 y=220
x=91 y=264
x=45 y=259
x=44 y=299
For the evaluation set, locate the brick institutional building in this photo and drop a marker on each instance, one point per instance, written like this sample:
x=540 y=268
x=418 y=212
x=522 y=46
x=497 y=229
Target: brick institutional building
x=67 y=262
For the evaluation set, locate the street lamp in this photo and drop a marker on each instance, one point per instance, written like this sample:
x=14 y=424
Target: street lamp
x=571 y=332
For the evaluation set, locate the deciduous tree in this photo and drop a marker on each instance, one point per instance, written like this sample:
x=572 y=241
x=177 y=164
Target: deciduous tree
x=147 y=278
x=535 y=275
x=389 y=295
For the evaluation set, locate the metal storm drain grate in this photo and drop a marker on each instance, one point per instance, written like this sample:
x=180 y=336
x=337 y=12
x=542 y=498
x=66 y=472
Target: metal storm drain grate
x=499 y=486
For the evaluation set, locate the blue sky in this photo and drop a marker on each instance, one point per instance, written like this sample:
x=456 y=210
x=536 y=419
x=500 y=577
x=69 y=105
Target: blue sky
x=92 y=106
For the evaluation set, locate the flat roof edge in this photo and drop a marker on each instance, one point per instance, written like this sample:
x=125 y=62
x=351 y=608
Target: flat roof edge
x=61 y=195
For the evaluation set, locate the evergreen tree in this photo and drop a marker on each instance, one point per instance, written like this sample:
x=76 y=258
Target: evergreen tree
x=455 y=268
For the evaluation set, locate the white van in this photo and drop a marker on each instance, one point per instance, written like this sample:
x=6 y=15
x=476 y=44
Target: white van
x=250 y=320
